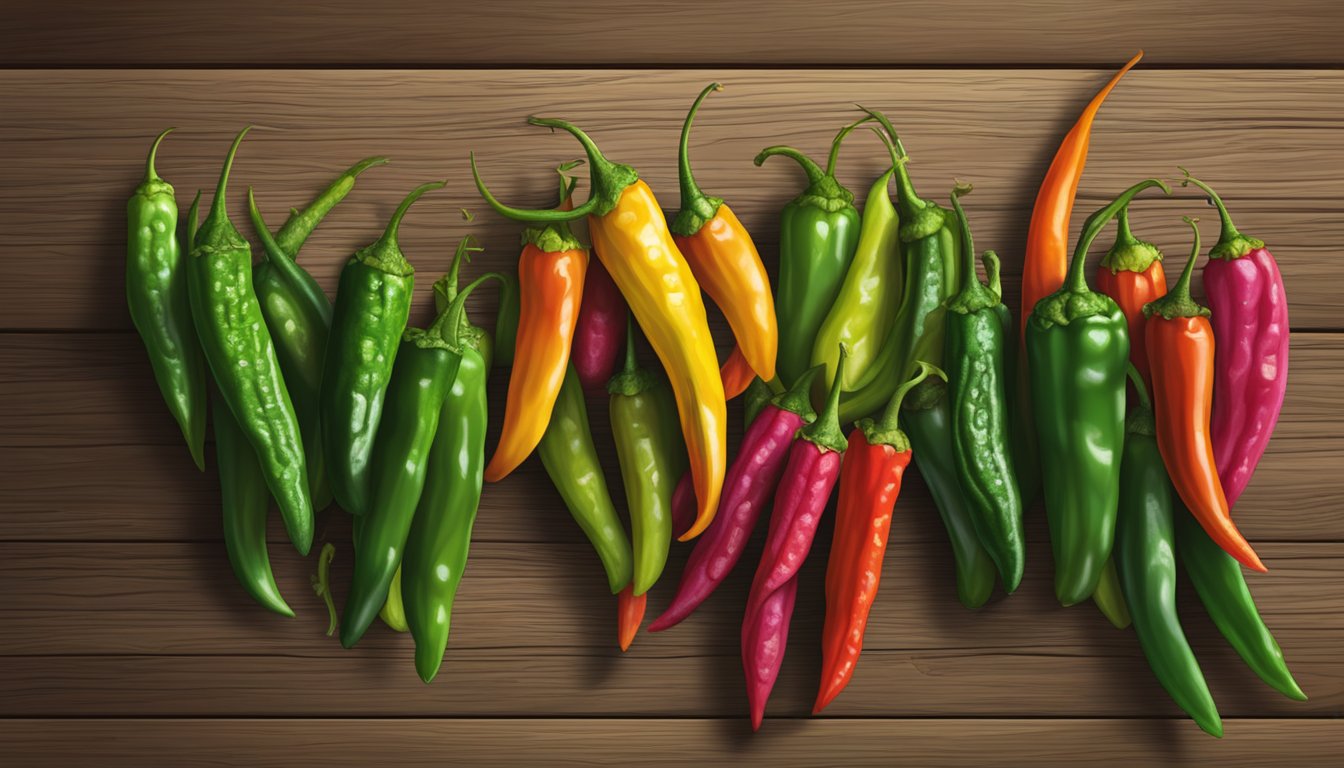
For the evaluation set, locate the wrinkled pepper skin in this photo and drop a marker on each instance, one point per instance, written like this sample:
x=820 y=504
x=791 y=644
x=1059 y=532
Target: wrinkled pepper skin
x=242 y=359
x=373 y=303
x=1131 y=273
x=156 y=295
x=569 y=455
x=1250 y=321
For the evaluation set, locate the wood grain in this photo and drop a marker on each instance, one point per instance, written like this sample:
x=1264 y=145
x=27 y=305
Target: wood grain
x=513 y=33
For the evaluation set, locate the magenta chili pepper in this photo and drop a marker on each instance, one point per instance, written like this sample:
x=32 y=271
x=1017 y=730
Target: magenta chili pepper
x=1249 y=313
x=599 y=333
x=683 y=506
x=809 y=478
x=747 y=486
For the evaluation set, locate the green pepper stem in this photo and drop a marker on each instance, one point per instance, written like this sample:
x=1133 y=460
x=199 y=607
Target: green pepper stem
x=1231 y=243
x=974 y=295
x=218 y=207
x=390 y=233
x=1076 y=280
x=825 y=431
x=798 y=398
x=1123 y=234
x=150 y=173
x=839 y=139
x=460 y=254
x=967 y=239
x=993 y=272
x=1140 y=388
x=567 y=182
x=696 y=207
x=322 y=585
x=452 y=317
x=813 y=171
x=271 y=249
x=1178 y=302
x=890 y=422
x=905 y=187
x=631 y=362
x=1182 y=288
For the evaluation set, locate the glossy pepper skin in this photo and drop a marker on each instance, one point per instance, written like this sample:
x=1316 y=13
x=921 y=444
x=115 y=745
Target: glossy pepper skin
x=1078 y=350
x=1046 y=263
x=751 y=480
x=870 y=483
x=156 y=294
x=736 y=374
x=818 y=233
x=1181 y=354
x=1222 y=589
x=1131 y=273
x=298 y=314
x=427 y=365
x=569 y=455
x=373 y=303
x=725 y=262
x=1250 y=321
x=975 y=353
x=865 y=306
x=599 y=335
x=632 y=241
x=1146 y=556
x=242 y=358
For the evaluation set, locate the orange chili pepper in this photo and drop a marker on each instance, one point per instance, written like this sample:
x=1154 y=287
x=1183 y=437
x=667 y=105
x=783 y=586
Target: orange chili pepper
x=551 y=271
x=736 y=374
x=725 y=261
x=629 y=615
x=1180 y=350
x=1131 y=273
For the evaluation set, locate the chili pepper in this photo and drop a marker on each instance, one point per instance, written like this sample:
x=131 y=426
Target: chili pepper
x=765 y=633
x=1181 y=354
x=373 y=303
x=427 y=364
x=599 y=334
x=865 y=306
x=506 y=318
x=725 y=261
x=637 y=425
x=747 y=488
x=1222 y=589
x=629 y=614
x=1078 y=347
x=632 y=241
x=932 y=276
x=1131 y=273
x=870 y=483
x=1110 y=597
x=1250 y=316
x=570 y=458
x=1046 y=263
x=440 y=538
x=736 y=374
x=1146 y=558
x=550 y=278
x=818 y=233
x=242 y=358
x=156 y=294
x=975 y=348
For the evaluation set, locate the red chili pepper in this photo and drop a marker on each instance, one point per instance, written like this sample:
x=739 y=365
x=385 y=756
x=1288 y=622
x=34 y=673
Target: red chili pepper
x=809 y=478
x=870 y=482
x=629 y=614
x=746 y=489
x=599 y=334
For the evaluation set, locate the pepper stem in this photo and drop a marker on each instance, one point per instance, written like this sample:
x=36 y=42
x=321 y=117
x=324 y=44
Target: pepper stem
x=452 y=317
x=1076 y=280
x=890 y=422
x=271 y=250
x=1178 y=302
x=825 y=432
x=150 y=173
x=322 y=584
x=813 y=171
x=218 y=207
x=905 y=187
x=1231 y=243
x=798 y=398
x=390 y=233
x=632 y=379
x=696 y=207
x=1140 y=387
x=839 y=139
x=445 y=288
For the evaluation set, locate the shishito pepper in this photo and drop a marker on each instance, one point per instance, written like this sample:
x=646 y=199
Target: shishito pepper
x=1078 y=350
x=632 y=241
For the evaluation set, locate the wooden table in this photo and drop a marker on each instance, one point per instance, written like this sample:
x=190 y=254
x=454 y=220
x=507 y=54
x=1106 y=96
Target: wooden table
x=124 y=639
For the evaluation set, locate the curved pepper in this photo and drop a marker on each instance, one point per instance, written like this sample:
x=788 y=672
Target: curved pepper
x=373 y=303
x=1078 y=350
x=632 y=241
x=818 y=232
x=1131 y=273
x=242 y=358
x=1181 y=353
x=725 y=262
x=156 y=295
x=1250 y=320
x=870 y=483
x=736 y=374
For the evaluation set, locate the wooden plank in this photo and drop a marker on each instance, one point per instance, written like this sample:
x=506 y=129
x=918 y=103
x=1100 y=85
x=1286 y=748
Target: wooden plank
x=81 y=136
x=84 y=439
x=154 y=629
x=788 y=32
x=571 y=742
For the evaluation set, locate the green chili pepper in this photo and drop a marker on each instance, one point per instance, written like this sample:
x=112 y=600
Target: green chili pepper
x=932 y=276
x=436 y=552
x=373 y=302
x=506 y=318
x=1222 y=589
x=819 y=230
x=1146 y=561
x=975 y=349
x=427 y=365
x=570 y=458
x=639 y=425
x=1078 y=348
x=156 y=294
x=242 y=358
x=298 y=314
x=866 y=304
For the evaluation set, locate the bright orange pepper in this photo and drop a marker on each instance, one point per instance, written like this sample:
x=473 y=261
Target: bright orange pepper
x=736 y=374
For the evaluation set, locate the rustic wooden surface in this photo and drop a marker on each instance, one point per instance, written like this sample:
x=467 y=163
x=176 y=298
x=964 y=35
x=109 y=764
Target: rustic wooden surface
x=122 y=633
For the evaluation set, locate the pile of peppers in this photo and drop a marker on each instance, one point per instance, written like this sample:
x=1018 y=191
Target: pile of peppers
x=1135 y=414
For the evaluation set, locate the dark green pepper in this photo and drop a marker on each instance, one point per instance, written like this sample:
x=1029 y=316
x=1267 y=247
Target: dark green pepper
x=570 y=458
x=1078 y=349
x=373 y=303
x=975 y=352
x=818 y=233
x=506 y=318
x=242 y=358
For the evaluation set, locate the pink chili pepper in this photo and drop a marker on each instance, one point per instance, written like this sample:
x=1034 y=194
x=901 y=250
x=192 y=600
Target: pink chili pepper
x=765 y=633
x=599 y=333
x=1250 y=326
